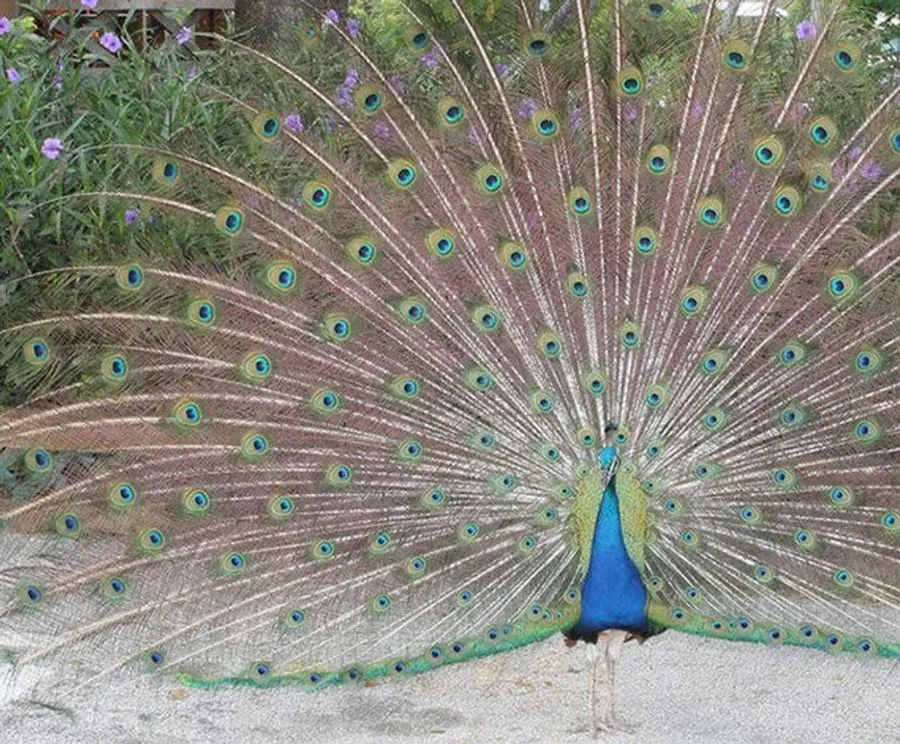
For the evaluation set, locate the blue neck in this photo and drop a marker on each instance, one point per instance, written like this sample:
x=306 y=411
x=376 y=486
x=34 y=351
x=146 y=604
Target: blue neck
x=613 y=594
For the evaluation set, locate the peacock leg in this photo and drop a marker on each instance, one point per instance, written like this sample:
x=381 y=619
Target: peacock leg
x=614 y=641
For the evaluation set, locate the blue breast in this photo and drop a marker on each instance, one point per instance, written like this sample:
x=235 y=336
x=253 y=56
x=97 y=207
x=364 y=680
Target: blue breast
x=613 y=595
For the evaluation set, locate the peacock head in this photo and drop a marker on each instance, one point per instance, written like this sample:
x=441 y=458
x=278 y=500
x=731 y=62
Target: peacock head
x=607 y=455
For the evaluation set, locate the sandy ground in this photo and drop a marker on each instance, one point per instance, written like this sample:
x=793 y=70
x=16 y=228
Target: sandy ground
x=676 y=688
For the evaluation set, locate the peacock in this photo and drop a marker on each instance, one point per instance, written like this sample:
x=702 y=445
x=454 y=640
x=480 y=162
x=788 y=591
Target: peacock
x=589 y=329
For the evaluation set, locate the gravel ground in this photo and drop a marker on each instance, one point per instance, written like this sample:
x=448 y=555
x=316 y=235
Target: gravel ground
x=676 y=688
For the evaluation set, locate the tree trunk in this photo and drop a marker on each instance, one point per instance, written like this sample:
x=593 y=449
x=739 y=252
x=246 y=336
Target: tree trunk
x=267 y=24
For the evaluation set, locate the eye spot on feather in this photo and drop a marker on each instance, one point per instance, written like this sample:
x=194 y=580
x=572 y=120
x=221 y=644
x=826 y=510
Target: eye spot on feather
x=441 y=242
x=841 y=497
x=805 y=539
x=280 y=507
x=433 y=498
x=114 y=588
x=232 y=564
x=294 y=619
x=764 y=278
x=415 y=566
x=37 y=461
x=595 y=383
x=786 y=201
x=255 y=446
x=196 y=502
x=166 y=172
x=711 y=212
x=550 y=344
x=869 y=361
x=846 y=57
x=713 y=362
x=579 y=201
x=793 y=417
x=381 y=603
x=645 y=241
x=750 y=515
x=323 y=550
x=736 y=55
x=486 y=318
x=230 y=220
x=527 y=544
x=541 y=402
x=337 y=328
x=763 y=574
x=545 y=124
x=630 y=335
x=317 y=196
x=867 y=431
x=537 y=43
x=122 y=495
x=630 y=82
x=154 y=658
x=36 y=352
x=658 y=160
x=694 y=301
x=891 y=522
x=822 y=131
x=362 y=251
x=68 y=525
x=768 y=152
x=405 y=388
x=418 y=39
x=844 y=578
x=326 y=401
x=266 y=126
x=468 y=533
x=151 y=540
x=513 y=255
x=403 y=174
x=369 y=99
x=130 y=277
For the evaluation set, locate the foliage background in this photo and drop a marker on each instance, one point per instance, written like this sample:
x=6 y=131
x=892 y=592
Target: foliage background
x=167 y=97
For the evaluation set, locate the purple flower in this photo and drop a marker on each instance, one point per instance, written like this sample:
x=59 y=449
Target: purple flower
x=4 y=25
x=696 y=111
x=89 y=4
x=352 y=78
x=151 y=218
x=631 y=113
x=527 y=108
x=330 y=124
x=430 y=59
x=854 y=153
x=871 y=171
x=736 y=174
x=57 y=81
x=806 y=30
x=353 y=28
x=344 y=97
x=111 y=43
x=184 y=35
x=501 y=68
x=332 y=16
x=12 y=74
x=381 y=132
x=474 y=137
x=52 y=148
x=294 y=123
x=397 y=83
x=192 y=73
x=131 y=216
x=576 y=119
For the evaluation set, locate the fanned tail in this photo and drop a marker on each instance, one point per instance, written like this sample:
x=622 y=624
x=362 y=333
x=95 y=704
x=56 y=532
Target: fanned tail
x=369 y=451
